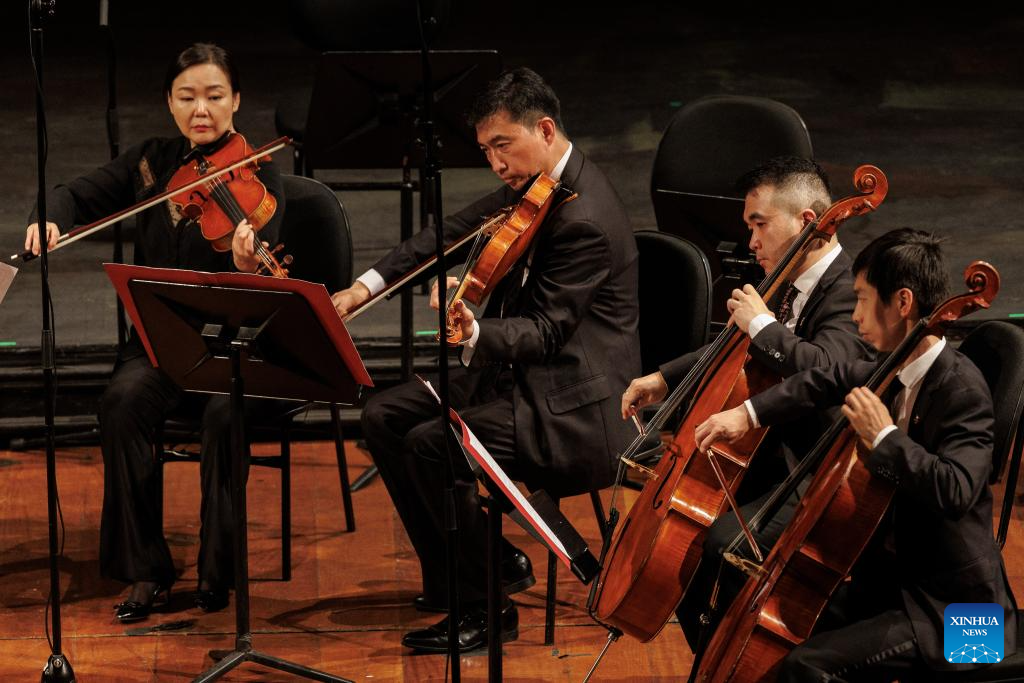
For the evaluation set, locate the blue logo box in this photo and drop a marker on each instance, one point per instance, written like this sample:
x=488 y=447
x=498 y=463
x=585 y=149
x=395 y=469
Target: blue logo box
x=973 y=633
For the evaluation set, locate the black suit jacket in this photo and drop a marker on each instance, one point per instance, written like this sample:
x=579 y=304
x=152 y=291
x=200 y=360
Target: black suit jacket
x=825 y=334
x=569 y=333
x=942 y=509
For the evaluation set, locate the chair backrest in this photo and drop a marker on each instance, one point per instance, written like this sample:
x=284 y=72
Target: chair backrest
x=707 y=146
x=997 y=348
x=675 y=297
x=316 y=233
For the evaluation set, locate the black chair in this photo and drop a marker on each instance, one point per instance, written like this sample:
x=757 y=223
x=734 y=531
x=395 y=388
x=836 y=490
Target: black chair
x=675 y=309
x=997 y=348
x=707 y=146
x=316 y=233
x=675 y=297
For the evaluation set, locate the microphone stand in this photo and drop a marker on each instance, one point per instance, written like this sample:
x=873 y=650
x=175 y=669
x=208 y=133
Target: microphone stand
x=431 y=188
x=57 y=668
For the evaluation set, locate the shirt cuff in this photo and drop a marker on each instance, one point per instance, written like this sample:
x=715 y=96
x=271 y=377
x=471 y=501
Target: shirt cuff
x=469 y=347
x=882 y=434
x=760 y=321
x=372 y=280
x=751 y=414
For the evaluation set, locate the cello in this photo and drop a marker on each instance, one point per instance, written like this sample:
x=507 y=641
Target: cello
x=652 y=559
x=782 y=601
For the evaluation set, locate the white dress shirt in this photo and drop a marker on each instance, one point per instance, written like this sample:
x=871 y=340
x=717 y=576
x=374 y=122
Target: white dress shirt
x=911 y=375
x=804 y=284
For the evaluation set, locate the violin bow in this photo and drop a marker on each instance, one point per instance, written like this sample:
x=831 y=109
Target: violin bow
x=86 y=230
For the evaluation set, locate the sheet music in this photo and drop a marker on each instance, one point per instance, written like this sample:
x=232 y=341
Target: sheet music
x=479 y=453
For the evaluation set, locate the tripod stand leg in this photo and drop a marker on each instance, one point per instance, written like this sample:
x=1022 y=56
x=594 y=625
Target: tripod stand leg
x=294 y=669
x=225 y=665
x=365 y=478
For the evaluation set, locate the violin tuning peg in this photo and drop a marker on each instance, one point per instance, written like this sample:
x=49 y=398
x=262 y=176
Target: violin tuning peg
x=287 y=260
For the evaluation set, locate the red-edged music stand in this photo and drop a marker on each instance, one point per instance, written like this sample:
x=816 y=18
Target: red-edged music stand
x=243 y=335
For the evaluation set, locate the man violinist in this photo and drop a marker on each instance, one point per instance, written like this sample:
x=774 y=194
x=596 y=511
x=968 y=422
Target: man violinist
x=810 y=326
x=556 y=344
x=935 y=443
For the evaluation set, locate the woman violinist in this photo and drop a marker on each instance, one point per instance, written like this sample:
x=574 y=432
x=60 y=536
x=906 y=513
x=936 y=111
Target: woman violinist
x=203 y=95
x=934 y=442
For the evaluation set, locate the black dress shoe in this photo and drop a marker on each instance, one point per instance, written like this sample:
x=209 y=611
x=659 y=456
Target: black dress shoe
x=154 y=597
x=210 y=600
x=472 y=631
x=516 y=575
x=516 y=572
x=425 y=604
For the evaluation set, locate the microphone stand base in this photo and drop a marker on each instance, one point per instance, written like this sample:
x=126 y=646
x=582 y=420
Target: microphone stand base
x=58 y=670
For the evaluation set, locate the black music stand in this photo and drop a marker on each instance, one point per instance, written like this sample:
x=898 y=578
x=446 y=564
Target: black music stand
x=243 y=335
x=365 y=112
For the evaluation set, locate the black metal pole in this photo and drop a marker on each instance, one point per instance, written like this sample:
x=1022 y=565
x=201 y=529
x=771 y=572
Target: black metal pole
x=57 y=668
x=494 y=592
x=431 y=188
x=114 y=143
x=243 y=636
x=244 y=651
x=406 y=296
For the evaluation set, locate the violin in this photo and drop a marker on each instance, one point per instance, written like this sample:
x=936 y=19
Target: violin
x=84 y=231
x=508 y=234
x=834 y=521
x=225 y=200
x=650 y=562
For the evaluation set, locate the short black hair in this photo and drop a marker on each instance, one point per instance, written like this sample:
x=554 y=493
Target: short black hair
x=202 y=53
x=906 y=258
x=802 y=182
x=520 y=92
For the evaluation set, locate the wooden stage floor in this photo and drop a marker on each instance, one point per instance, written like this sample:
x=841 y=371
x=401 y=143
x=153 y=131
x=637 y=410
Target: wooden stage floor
x=344 y=610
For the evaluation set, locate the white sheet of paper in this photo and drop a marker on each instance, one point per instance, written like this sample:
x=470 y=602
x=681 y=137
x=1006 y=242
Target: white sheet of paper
x=7 y=274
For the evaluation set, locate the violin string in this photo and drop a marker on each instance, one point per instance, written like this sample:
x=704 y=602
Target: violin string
x=227 y=202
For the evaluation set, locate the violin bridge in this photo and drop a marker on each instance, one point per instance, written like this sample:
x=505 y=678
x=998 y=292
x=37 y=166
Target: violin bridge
x=647 y=471
x=744 y=565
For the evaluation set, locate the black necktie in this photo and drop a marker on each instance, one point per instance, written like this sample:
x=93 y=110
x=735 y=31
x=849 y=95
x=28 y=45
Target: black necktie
x=785 y=309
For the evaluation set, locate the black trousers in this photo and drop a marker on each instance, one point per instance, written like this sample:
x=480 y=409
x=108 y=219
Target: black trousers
x=877 y=649
x=713 y=568
x=132 y=544
x=404 y=433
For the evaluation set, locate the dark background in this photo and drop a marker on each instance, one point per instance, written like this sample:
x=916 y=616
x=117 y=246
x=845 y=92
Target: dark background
x=934 y=99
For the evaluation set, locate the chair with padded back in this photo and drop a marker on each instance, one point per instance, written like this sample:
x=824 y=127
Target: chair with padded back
x=997 y=348
x=675 y=297
x=316 y=233
x=675 y=307
x=706 y=147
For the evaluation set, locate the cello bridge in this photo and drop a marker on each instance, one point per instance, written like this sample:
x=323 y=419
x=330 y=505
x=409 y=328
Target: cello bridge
x=646 y=471
x=744 y=565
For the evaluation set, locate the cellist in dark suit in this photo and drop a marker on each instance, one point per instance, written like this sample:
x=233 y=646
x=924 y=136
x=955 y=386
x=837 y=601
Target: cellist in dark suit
x=546 y=362
x=813 y=329
x=935 y=443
